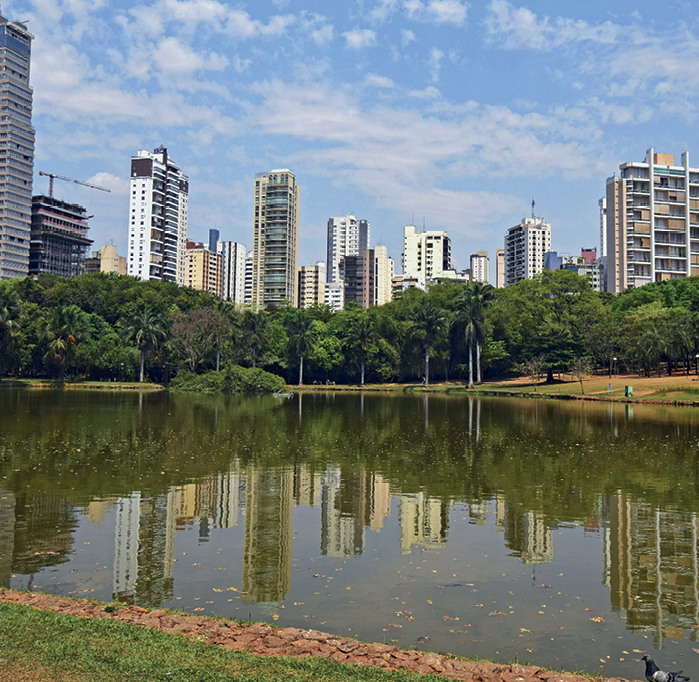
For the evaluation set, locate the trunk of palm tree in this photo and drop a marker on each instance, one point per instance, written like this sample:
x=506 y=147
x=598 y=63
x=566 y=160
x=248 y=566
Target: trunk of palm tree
x=218 y=358
x=427 y=366
x=143 y=362
x=470 y=366
x=362 y=373
x=301 y=371
x=478 y=362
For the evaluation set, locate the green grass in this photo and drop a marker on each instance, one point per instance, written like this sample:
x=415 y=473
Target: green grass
x=42 y=646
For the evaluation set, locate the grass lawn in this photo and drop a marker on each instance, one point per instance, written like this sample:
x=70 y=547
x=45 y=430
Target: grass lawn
x=43 y=646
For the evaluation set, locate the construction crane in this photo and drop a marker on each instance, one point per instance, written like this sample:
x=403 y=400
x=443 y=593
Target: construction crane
x=52 y=176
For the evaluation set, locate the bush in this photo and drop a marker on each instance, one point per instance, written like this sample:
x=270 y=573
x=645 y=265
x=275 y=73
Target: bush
x=231 y=379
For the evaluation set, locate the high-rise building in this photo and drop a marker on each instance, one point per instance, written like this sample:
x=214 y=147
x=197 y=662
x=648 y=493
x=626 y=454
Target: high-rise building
x=16 y=149
x=247 y=300
x=275 y=249
x=59 y=241
x=351 y=275
x=652 y=222
x=499 y=268
x=203 y=269
x=157 y=217
x=480 y=267
x=233 y=265
x=335 y=295
x=428 y=252
x=106 y=260
x=602 y=203
x=525 y=247
x=311 y=288
x=378 y=271
x=347 y=236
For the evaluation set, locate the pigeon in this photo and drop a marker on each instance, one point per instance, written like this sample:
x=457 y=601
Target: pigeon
x=654 y=674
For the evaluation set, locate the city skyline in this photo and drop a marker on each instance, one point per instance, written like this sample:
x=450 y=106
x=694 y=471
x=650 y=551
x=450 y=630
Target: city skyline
x=397 y=111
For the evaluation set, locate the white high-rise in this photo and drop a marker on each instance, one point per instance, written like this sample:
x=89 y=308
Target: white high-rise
x=16 y=149
x=426 y=252
x=234 y=255
x=480 y=267
x=157 y=217
x=347 y=236
x=525 y=246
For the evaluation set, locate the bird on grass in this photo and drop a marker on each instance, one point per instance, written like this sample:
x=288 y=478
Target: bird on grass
x=655 y=674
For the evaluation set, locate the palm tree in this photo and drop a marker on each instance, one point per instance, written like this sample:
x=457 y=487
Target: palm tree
x=471 y=308
x=361 y=336
x=427 y=323
x=255 y=332
x=147 y=329
x=9 y=314
x=301 y=330
x=65 y=327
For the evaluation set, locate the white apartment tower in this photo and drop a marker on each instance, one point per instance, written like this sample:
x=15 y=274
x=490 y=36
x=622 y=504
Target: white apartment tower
x=480 y=267
x=157 y=217
x=525 y=246
x=16 y=149
x=428 y=252
x=347 y=236
x=275 y=249
x=652 y=222
x=233 y=265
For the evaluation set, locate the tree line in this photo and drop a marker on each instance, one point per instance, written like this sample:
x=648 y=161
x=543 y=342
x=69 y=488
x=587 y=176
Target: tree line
x=106 y=327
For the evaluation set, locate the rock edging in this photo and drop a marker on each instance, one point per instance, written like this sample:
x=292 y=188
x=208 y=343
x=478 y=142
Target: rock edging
x=266 y=640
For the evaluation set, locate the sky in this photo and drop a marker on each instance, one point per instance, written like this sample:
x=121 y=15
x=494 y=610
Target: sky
x=444 y=113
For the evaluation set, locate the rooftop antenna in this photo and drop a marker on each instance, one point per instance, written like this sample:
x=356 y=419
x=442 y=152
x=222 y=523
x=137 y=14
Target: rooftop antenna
x=533 y=202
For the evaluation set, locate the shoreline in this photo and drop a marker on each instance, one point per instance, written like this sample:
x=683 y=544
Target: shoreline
x=262 y=639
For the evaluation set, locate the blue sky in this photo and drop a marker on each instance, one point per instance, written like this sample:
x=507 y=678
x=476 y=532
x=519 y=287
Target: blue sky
x=456 y=113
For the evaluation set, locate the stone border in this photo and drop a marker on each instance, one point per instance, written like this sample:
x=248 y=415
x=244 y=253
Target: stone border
x=266 y=640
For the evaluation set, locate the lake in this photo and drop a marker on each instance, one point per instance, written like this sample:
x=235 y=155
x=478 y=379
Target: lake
x=559 y=533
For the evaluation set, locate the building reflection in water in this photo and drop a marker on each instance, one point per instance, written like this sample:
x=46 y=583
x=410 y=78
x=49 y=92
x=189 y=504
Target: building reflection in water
x=424 y=522
x=7 y=535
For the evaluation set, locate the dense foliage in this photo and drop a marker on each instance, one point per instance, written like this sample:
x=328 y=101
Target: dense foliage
x=110 y=328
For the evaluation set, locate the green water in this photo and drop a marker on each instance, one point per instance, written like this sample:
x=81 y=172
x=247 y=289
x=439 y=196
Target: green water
x=562 y=534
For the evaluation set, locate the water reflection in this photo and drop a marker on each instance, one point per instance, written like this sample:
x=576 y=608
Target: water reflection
x=149 y=472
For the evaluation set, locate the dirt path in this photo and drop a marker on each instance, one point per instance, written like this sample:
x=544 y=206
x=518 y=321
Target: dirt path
x=265 y=640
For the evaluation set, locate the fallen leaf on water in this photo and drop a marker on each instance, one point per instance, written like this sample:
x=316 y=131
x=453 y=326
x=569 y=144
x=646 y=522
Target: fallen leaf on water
x=448 y=618
x=597 y=619
x=275 y=616
x=423 y=639
x=199 y=609
x=696 y=651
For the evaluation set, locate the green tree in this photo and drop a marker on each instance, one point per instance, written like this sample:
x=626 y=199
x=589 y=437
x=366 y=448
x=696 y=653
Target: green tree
x=427 y=323
x=65 y=328
x=471 y=310
x=195 y=335
x=361 y=337
x=147 y=329
x=255 y=330
x=302 y=333
x=9 y=321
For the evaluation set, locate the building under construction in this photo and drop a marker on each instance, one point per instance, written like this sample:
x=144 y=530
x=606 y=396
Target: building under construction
x=59 y=240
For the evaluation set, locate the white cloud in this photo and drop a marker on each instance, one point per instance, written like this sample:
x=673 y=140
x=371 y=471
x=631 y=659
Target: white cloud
x=519 y=27
x=407 y=37
x=111 y=182
x=436 y=57
x=437 y=11
x=173 y=56
x=360 y=38
x=379 y=81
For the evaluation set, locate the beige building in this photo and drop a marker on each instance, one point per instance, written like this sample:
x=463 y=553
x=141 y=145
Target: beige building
x=652 y=222
x=203 y=269
x=106 y=260
x=500 y=268
x=275 y=250
x=428 y=252
x=480 y=267
x=379 y=269
x=311 y=286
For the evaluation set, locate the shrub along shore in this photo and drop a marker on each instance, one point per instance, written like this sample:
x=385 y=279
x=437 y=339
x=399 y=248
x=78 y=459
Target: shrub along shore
x=45 y=637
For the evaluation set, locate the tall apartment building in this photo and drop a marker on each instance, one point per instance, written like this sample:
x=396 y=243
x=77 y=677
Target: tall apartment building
x=652 y=222
x=499 y=268
x=203 y=269
x=480 y=267
x=347 y=236
x=16 y=149
x=335 y=295
x=378 y=272
x=275 y=249
x=247 y=300
x=106 y=260
x=428 y=252
x=525 y=247
x=59 y=242
x=157 y=217
x=311 y=287
x=233 y=256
